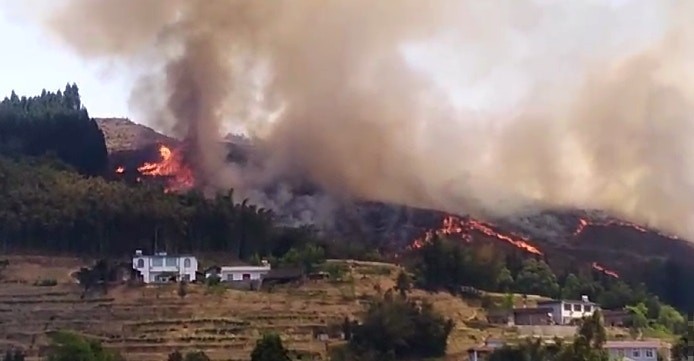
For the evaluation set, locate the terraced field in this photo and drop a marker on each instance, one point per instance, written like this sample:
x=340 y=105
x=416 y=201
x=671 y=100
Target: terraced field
x=149 y=322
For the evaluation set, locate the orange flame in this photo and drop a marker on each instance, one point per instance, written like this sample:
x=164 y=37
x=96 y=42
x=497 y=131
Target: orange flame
x=583 y=224
x=463 y=228
x=604 y=270
x=171 y=165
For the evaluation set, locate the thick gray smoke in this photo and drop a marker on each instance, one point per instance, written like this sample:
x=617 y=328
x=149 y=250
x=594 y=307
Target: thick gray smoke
x=585 y=103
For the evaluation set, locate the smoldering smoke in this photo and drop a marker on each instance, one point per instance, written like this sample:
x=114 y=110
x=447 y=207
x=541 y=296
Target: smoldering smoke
x=603 y=119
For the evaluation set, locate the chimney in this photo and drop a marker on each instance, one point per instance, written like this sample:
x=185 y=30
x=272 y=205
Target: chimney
x=584 y=298
x=138 y=252
x=265 y=263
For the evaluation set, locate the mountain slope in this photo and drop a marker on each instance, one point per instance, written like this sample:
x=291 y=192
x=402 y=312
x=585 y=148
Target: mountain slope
x=122 y=134
x=566 y=238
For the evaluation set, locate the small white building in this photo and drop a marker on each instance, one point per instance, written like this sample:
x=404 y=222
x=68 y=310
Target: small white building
x=633 y=350
x=567 y=312
x=161 y=267
x=242 y=273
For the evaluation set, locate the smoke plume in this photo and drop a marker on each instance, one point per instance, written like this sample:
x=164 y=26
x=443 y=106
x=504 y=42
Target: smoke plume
x=517 y=103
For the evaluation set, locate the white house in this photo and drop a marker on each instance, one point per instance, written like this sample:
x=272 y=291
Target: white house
x=566 y=312
x=163 y=268
x=633 y=350
x=242 y=273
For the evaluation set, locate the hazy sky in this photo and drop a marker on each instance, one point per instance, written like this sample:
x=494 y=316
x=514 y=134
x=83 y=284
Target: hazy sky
x=31 y=61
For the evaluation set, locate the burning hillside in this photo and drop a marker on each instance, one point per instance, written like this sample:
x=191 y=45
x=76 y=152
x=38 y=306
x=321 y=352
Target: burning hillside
x=171 y=167
x=466 y=229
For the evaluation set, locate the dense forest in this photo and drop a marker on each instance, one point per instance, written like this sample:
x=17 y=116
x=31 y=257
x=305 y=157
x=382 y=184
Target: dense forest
x=50 y=154
x=52 y=124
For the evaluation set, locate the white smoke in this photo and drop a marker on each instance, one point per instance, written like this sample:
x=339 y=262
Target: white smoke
x=495 y=106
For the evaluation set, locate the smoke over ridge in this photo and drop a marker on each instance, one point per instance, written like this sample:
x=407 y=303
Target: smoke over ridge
x=582 y=107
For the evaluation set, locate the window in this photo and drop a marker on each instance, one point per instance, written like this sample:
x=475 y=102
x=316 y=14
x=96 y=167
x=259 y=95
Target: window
x=246 y=276
x=620 y=352
x=186 y=263
x=230 y=277
x=587 y=308
x=171 y=262
x=567 y=307
x=157 y=262
x=185 y=278
x=140 y=263
x=636 y=353
x=577 y=307
x=649 y=353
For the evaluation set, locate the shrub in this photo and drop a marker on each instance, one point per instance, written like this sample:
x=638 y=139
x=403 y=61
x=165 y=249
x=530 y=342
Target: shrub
x=47 y=282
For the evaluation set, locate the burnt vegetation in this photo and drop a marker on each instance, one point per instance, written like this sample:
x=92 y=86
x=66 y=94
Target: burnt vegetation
x=58 y=195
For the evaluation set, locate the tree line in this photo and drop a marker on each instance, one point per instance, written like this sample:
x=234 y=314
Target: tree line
x=54 y=124
x=447 y=265
x=45 y=207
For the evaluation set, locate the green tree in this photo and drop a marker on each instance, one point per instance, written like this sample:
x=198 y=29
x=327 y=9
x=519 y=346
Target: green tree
x=306 y=257
x=537 y=278
x=671 y=318
x=637 y=316
x=681 y=350
x=396 y=327
x=572 y=288
x=67 y=346
x=505 y=280
x=588 y=343
x=270 y=348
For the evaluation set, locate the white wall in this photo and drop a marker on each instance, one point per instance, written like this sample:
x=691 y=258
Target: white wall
x=237 y=275
x=643 y=354
x=559 y=313
x=150 y=267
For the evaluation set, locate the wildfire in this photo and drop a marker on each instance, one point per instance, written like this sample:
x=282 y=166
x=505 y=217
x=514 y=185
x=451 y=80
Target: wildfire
x=583 y=224
x=171 y=165
x=179 y=176
x=604 y=270
x=463 y=228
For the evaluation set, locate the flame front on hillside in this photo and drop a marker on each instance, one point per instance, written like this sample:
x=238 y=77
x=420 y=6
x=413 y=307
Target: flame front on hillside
x=584 y=223
x=463 y=228
x=604 y=270
x=179 y=177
